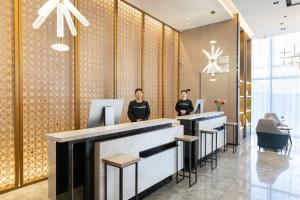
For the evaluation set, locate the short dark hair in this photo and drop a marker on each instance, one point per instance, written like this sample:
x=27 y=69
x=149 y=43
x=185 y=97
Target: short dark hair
x=186 y=91
x=138 y=90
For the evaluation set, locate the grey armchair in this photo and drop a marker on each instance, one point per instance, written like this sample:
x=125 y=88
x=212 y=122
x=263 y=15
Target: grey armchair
x=269 y=136
x=275 y=118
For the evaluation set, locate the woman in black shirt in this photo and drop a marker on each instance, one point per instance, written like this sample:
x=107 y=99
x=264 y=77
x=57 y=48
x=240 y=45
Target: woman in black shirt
x=138 y=109
x=184 y=106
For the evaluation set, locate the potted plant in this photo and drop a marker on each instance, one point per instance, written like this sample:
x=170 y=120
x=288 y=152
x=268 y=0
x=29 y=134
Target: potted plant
x=220 y=103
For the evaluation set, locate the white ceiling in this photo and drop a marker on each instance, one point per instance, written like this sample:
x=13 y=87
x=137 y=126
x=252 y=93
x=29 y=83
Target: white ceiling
x=183 y=14
x=264 y=18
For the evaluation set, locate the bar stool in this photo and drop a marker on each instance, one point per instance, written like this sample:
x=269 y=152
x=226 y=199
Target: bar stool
x=187 y=139
x=121 y=161
x=214 y=156
x=234 y=126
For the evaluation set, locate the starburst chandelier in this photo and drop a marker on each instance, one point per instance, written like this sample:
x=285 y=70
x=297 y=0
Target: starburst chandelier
x=63 y=8
x=212 y=67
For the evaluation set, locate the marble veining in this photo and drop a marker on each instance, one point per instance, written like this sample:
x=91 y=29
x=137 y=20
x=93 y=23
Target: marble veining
x=200 y=116
x=245 y=175
x=105 y=130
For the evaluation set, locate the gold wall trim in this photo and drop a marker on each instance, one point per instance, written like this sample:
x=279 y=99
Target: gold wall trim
x=162 y=72
x=142 y=49
x=19 y=90
x=77 y=70
x=178 y=69
x=17 y=93
x=116 y=9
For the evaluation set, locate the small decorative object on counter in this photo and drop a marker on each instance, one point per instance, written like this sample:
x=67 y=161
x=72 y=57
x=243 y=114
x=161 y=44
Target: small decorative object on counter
x=220 y=103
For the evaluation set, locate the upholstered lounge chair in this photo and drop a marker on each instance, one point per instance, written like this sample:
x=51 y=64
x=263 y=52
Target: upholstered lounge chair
x=269 y=136
x=275 y=118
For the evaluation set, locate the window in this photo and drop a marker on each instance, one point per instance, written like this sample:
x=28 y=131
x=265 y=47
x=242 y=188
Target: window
x=275 y=80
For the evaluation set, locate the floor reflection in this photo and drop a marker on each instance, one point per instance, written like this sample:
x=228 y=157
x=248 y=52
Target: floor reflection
x=247 y=174
x=269 y=166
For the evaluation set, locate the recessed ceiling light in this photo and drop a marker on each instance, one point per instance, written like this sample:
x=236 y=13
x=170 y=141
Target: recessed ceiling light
x=213 y=12
x=187 y=18
x=275 y=2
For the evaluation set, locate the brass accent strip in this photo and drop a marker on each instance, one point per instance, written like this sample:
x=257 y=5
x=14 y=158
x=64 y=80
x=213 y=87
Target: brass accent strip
x=163 y=67
x=142 y=50
x=116 y=7
x=18 y=147
x=178 y=68
x=126 y=2
x=77 y=70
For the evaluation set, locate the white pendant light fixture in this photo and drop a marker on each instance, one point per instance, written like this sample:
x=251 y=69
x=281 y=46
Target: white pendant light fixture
x=60 y=46
x=212 y=67
x=63 y=9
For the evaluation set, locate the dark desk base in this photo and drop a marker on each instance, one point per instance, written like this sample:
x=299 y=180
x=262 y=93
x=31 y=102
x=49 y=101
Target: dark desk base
x=75 y=164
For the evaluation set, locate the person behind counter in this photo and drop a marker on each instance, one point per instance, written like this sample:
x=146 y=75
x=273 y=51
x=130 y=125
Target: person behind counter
x=138 y=109
x=184 y=106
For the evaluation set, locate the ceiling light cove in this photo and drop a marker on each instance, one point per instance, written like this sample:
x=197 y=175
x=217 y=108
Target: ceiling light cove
x=232 y=9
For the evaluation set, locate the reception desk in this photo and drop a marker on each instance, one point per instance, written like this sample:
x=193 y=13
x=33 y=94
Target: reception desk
x=75 y=159
x=194 y=123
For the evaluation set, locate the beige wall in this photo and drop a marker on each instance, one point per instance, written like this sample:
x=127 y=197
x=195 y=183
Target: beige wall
x=192 y=61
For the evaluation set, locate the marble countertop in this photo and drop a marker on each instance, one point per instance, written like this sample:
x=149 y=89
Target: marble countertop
x=105 y=130
x=200 y=116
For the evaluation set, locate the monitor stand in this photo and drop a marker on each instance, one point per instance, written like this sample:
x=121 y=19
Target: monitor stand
x=109 y=117
x=198 y=109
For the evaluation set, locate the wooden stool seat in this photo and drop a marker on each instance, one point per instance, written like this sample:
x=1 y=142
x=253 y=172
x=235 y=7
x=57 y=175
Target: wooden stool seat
x=209 y=131
x=231 y=123
x=187 y=138
x=121 y=160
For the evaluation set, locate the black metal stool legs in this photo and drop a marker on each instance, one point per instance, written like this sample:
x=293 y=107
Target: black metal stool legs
x=105 y=181
x=136 y=181
x=121 y=184
x=235 y=135
x=190 y=163
x=189 y=168
x=216 y=153
x=212 y=157
x=225 y=143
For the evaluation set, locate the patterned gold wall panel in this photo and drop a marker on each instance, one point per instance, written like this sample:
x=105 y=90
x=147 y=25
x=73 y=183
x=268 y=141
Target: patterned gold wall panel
x=170 y=71
x=152 y=65
x=129 y=53
x=96 y=54
x=7 y=158
x=48 y=89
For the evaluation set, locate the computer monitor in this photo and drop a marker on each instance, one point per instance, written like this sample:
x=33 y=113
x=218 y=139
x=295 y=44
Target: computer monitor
x=199 y=106
x=104 y=112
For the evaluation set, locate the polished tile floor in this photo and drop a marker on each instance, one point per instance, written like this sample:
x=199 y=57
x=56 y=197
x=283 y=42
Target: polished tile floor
x=247 y=174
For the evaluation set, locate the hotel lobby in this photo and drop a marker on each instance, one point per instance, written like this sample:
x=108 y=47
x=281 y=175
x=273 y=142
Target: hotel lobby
x=147 y=99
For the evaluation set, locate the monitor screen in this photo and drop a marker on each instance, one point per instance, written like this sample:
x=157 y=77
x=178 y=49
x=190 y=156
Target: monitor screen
x=103 y=111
